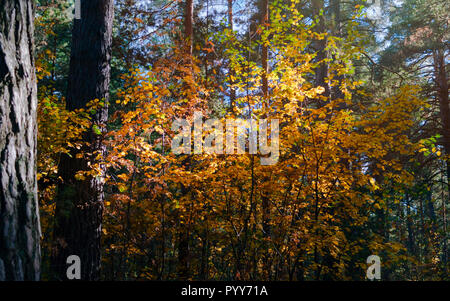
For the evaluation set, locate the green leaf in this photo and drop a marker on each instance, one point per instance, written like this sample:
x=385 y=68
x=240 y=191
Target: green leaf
x=96 y=129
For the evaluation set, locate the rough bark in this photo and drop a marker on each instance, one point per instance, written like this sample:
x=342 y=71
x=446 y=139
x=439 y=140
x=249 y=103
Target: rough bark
x=441 y=80
x=442 y=93
x=79 y=204
x=19 y=215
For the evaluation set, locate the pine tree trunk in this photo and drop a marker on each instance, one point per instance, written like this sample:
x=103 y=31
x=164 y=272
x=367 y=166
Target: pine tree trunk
x=19 y=215
x=444 y=105
x=79 y=204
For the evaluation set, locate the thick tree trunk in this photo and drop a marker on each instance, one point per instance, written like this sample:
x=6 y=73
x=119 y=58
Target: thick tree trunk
x=442 y=93
x=441 y=80
x=79 y=204
x=19 y=215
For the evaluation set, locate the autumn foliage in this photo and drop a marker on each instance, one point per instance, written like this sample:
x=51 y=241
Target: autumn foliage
x=316 y=214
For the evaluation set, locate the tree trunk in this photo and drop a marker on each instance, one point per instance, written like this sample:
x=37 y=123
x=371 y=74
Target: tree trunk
x=265 y=50
x=320 y=48
x=19 y=216
x=265 y=92
x=442 y=94
x=336 y=92
x=232 y=74
x=188 y=25
x=79 y=204
x=265 y=201
x=183 y=235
